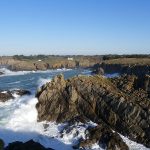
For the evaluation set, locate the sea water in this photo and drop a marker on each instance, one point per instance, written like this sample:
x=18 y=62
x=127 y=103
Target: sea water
x=18 y=117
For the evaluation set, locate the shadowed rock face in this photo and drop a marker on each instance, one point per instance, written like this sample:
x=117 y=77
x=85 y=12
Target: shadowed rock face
x=1 y=144
x=113 y=105
x=30 y=145
x=146 y=84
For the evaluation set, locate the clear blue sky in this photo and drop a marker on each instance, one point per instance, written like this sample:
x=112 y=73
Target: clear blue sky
x=74 y=27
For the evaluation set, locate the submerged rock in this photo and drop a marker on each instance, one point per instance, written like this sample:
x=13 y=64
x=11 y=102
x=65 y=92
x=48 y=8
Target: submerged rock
x=1 y=73
x=7 y=95
x=29 y=145
x=21 y=92
x=99 y=100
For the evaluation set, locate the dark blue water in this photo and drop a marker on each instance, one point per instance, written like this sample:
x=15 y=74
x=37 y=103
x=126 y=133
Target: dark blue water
x=30 y=80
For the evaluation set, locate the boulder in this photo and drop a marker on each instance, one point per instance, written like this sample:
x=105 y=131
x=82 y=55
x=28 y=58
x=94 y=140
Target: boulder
x=29 y=145
x=97 y=98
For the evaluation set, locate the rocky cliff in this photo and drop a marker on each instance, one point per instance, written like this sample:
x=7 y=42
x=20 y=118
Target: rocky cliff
x=142 y=72
x=115 y=106
x=17 y=64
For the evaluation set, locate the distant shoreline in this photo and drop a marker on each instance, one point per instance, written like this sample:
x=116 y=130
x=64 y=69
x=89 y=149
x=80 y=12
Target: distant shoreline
x=45 y=62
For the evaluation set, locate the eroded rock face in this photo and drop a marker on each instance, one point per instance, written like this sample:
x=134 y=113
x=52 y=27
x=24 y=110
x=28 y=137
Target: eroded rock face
x=29 y=145
x=100 y=100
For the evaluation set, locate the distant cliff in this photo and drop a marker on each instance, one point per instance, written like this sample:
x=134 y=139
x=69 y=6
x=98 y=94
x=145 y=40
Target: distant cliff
x=139 y=67
x=18 y=63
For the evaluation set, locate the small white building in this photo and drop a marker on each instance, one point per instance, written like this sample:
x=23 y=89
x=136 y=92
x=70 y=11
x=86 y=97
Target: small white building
x=39 y=60
x=70 y=58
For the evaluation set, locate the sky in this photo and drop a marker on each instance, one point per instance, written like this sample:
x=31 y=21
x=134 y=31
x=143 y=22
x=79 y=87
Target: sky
x=89 y=27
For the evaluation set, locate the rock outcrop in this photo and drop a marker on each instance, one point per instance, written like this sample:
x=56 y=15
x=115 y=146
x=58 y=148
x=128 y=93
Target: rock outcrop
x=104 y=102
x=142 y=72
x=29 y=145
x=7 y=95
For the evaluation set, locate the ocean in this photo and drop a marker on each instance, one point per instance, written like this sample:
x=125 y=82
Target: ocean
x=18 y=117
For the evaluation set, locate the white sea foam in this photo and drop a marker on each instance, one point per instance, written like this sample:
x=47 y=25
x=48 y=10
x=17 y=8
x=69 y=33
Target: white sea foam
x=42 y=81
x=8 y=72
x=133 y=145
x=112 y=75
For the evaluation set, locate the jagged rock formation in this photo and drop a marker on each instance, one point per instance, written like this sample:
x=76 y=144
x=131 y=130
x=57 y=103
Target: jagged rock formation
x=109 y=104
x=7 y=95
x=29 y=145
